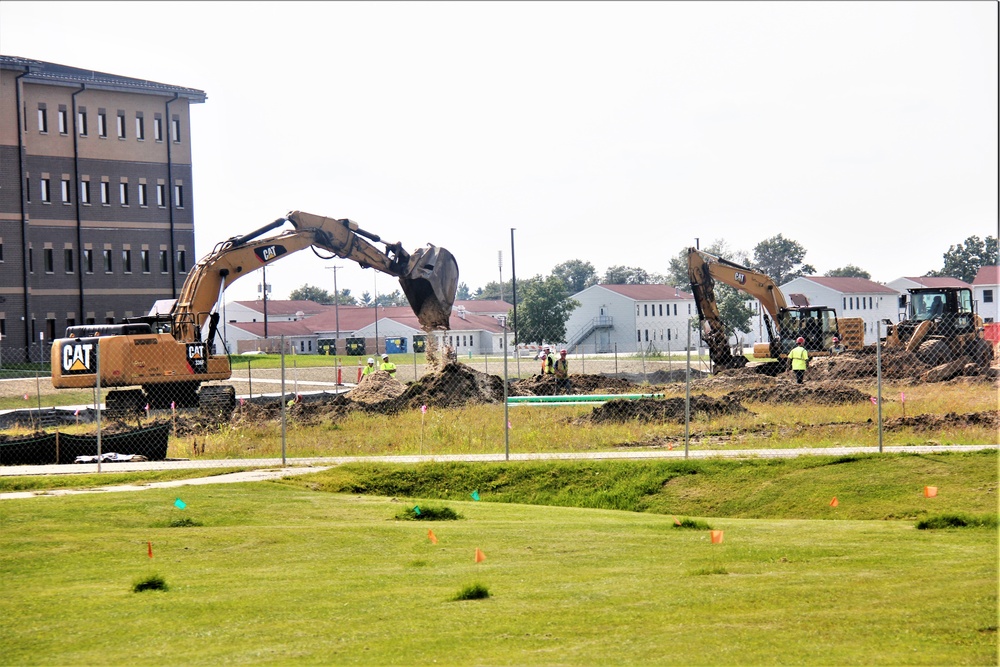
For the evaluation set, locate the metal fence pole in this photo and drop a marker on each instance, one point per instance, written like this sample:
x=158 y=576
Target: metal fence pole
x=282 y=400
x=506 y=408
x=687 y=394
x=878 y=380
x=97 y=382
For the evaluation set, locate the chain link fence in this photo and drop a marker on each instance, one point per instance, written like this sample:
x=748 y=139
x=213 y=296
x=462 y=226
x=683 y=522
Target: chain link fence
x=655 y=395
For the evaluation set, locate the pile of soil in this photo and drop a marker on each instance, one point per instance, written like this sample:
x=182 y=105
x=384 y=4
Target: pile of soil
x=828 y=393
x=376 y=387
x=990 y=419
x=546 y=385
x=664 y=410
x=455 y=385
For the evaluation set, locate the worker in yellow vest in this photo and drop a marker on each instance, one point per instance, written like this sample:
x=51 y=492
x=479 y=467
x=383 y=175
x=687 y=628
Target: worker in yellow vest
x=369 y=369
x=388 y=366
x=548 y=361
x=800 y=359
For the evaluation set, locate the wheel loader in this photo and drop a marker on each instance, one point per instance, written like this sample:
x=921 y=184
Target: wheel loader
x=940 y=325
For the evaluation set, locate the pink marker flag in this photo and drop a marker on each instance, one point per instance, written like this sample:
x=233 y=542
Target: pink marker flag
x=423 y=409
x=25 y=397
x=874 y=401
x=902 y=397
x=147 y=407
x=173 y=406
x=76 y=413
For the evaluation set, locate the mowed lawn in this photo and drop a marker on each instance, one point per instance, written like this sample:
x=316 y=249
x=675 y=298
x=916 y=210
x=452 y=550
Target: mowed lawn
x=271 y=573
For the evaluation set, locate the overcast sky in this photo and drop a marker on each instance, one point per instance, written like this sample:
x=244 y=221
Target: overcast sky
x=614 y=133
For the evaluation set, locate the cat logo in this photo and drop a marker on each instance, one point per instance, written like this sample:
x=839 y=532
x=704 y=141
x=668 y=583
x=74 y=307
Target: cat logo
x=741 y=278
x=197 y=357
x=79 y=357
x=270 y=252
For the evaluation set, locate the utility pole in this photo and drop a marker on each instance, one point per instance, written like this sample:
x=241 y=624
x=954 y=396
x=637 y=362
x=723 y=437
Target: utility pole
x=264 y=287
x=336 y=299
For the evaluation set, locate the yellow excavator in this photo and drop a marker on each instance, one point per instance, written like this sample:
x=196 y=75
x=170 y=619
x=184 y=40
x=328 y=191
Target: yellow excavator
x=164 y=359
x=818 y=325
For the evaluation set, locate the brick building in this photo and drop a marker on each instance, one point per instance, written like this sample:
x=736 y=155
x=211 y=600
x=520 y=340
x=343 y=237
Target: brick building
x=96 y=219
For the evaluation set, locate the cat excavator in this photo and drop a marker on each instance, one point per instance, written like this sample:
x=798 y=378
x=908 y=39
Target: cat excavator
x=163 y=359
x=818 y=325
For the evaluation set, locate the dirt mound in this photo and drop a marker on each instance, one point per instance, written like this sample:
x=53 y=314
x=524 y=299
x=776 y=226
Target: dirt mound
x=990 y=419
x=664 y=410
x=455 y=385
x=821 y=392
x=545 y=385
x=376 y=387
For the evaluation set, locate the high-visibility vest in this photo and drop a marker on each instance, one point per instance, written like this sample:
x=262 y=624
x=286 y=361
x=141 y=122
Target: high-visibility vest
x=799 y=357
x=368 y=370
x=388 y=367
x=561 y=368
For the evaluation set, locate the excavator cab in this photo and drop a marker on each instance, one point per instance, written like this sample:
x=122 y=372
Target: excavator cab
x=816 y=324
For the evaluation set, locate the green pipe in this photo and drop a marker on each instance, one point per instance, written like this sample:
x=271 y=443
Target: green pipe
x=578 y=398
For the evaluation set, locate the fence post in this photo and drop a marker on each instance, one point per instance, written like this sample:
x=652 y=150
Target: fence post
x=878 y=378
x=506 y=416
x=282 y=400
x=97 y=382
x=687 y=394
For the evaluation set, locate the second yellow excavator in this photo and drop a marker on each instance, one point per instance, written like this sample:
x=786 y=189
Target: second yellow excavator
x=818 y=325
x=165 y=359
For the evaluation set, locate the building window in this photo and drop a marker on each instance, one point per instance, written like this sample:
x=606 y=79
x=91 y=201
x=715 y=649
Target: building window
x=27 y=189
x=63 y=116
x=123 y=193
x=85 y=192
x=181 y=265
x=65 y=191
x=127 y=261
x=50 y=327
x=46 y=195
x=157 y=128
x=105 y=193
x=81 y=122
x=140 y=129
x=1 y=250
x=102 y=124
x=987 y=296
x=142 y=195
x=164 y=262
x=121 y=124
x=638 y=334
x=675 y=309
x=161 y=194
x=869 y=303
x=49 y=260
x=647 y=334
x=175 y=130
x=88 y=260
x=179 y=196
x=43 y=120
x=144 y=258
x=107 y=260
x=31 y=259
x=645 y=309
x=68 y=259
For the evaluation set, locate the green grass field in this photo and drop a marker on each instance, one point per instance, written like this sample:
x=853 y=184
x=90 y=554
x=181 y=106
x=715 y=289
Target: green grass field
x=319 y=569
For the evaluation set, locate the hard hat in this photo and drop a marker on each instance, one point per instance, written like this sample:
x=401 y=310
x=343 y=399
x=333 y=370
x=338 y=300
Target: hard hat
x=836 y=340
x=562 y=351
x=385 y=356
x=800 y=340
x=370 y=360
x=546 y=348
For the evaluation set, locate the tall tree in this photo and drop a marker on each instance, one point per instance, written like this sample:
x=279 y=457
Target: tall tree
x=849 y=271
x=543 y=310
x=463 y=292
x=964 y=260
x=309 y=293
x=576 y=274
x=781 y=259
x=631 y=275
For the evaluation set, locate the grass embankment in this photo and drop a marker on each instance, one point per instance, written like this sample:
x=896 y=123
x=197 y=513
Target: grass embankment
x=41 y=483
x=279 y=573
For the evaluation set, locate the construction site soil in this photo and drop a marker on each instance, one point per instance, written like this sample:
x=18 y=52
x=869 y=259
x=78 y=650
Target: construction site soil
x=831 y=381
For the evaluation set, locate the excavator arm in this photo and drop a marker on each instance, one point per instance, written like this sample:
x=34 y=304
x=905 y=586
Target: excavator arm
x=428 y=276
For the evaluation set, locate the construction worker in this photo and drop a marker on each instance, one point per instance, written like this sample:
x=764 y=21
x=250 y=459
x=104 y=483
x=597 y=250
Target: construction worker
x=799 y=357
x=388 y=366
x=561 y=370
x=548 y=361
x=369 y=369
x=837 y=347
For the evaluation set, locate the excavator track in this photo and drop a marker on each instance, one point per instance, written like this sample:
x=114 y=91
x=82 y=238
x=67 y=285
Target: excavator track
x=217 y=400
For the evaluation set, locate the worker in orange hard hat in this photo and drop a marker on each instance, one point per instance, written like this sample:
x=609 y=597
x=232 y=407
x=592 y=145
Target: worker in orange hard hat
x=799 y=357
x=837 y=346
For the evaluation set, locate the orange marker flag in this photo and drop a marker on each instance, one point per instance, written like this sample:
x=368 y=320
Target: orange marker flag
x=834 y=502
x=480 y=556
x=930 y=491
x=716 y=537
x=677 y=521
x=150 y=546
x=432 y=537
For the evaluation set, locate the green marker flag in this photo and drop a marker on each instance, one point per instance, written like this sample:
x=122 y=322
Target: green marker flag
x=416 y=510
x=475 y=494
x=179 y=504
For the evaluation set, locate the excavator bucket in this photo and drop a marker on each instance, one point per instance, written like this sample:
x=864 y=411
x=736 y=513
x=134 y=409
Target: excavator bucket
x=430 y=285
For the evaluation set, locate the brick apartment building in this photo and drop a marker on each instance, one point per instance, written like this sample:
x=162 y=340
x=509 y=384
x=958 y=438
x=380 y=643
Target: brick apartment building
x=96 y=219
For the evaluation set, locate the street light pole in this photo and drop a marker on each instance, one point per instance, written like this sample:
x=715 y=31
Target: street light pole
x=336 y=299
